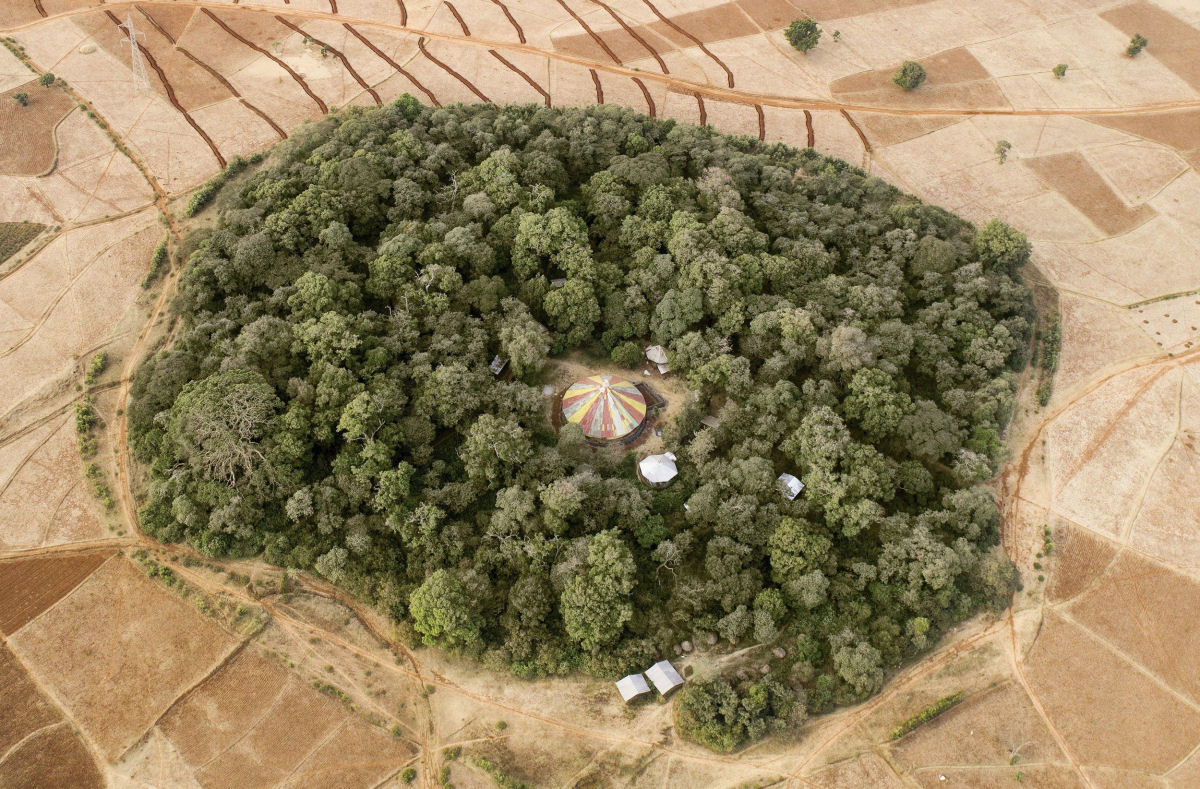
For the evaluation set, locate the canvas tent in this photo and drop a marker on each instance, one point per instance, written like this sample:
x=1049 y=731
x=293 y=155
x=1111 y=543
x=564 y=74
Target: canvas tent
x=658 y=470
x=606 y=407
x=789 y=486
x=656 y=354
x=632 y=686
x=664 y=676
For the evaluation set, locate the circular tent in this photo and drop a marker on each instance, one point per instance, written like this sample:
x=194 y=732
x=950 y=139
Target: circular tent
x=607 y=408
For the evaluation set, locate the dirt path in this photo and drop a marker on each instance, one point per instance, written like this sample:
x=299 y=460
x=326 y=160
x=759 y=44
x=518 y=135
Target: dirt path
x=709 y=91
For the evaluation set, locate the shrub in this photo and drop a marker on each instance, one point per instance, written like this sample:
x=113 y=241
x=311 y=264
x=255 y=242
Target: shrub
x=627 y=354
x=409 y=775
x=803 y=34
x=1136 y=45
x=1060 y=70
x=1002 y=149
x=21 y=98
x=97 y=366
x=927 y=714
x=46 y=80
x=722 y=717
x=909 y=75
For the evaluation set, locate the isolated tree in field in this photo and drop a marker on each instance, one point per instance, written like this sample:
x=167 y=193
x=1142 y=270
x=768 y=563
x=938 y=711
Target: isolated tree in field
x=909 y=75
x=1136 y=44
x=1060 y=70
x=1002 y=149
x=21 y=98
x=803 y=34
x=46 y=80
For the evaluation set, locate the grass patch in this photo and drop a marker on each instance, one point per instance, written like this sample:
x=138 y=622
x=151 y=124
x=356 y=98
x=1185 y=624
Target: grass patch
x=15 y=235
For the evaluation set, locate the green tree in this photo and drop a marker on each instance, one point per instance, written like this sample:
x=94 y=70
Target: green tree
x=803 y=34
x=21 y=98
x=1136 y=45
x=1060 y=70
x=596 y=604
x=909 y=75
x=446 y=609
x=46 y=80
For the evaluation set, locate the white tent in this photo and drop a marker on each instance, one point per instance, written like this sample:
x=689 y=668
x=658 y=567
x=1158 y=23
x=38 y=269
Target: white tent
x=632 y=686
x=656 y=354
x=789 y=486
x=658 y=469
x=664 y=676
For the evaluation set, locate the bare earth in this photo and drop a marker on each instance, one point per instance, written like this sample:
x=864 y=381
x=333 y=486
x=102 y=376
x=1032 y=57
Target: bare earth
x=1089 y=681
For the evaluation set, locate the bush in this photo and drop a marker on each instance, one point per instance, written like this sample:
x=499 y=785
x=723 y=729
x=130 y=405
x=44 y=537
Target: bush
x=46 y=80
x=408 y=775
x=927 y=714
x=909 y=75
x=1136 y=45
x=21 y=98
x=97 y=366
x=627 y=354
x=1002 y=149
x=803 y=34
x=157 y=259
x=1060 y=70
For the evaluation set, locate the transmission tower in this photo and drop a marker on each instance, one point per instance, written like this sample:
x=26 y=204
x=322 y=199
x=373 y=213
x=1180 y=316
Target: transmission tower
x=141 y=80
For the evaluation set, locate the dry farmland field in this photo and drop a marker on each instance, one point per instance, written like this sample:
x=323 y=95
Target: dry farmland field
x=124 y=663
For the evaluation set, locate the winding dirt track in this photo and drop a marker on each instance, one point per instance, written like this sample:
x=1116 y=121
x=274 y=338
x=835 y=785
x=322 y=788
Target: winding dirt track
x=831 y=730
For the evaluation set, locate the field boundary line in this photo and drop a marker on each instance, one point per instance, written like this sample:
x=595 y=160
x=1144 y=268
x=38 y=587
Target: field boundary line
x=31 y=735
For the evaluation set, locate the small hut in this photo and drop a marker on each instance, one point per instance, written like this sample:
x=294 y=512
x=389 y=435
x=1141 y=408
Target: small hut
x=497 y=366
x=664 y=676
x=789 y=486
x=632 y=686
x=658 y=355
x=657 y=470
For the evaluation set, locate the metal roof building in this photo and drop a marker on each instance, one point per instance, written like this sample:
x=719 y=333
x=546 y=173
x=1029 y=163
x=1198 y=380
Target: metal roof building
x=664 y=676
x=789 y=486
x=606 y=407
x=632 y=686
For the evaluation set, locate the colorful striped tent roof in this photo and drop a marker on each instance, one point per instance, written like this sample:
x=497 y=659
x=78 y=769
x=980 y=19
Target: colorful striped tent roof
x=607 y=408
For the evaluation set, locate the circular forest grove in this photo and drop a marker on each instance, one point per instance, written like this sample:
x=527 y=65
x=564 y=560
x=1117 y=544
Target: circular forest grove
x=327 y=401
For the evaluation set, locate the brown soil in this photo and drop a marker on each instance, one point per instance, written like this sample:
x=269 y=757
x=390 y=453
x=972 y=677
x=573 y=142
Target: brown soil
x=216 y=714
x=884 y=130
x=1079 y=556
x=15 y=235
x=118 y=651
x=30 y=586
x=984 y=730
x=1139 y=607
x=27 y=140
x=953 y=78
x=296 y=722
x=1073 y=176
x=358 y=755
x=1173 y=42
x=1108 y=712
x=173 y=20
x=52 y=757
x=1179 y=129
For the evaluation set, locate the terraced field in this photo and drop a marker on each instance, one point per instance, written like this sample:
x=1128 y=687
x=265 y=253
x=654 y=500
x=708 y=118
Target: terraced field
x=1088 y=681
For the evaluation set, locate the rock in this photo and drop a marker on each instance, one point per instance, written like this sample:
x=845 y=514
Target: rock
x=711 y=639
x=779 y=652
x=678 y=649
x=687 y=646
x=764 y=669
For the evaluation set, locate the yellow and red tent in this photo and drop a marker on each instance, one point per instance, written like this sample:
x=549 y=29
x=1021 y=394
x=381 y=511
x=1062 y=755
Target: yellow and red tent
x=605 y=407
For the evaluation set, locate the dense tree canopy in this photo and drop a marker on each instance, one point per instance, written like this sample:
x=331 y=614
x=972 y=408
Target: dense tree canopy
x=328 y=402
